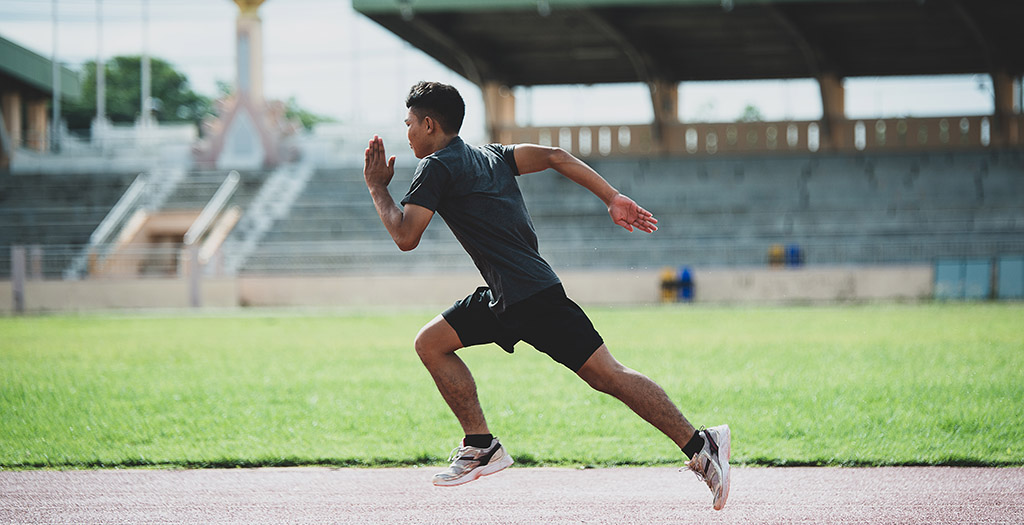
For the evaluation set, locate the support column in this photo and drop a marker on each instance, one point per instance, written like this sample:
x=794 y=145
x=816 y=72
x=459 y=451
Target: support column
x=146 y=118
x=833 y=105
x=499 y=112
x=1003 y=132
x=249 y=51
x=11 y=108
x=37 y=125
x=101 y=68
x=18 y=278
x=55 y=79
x=100 y=124
x=665 y=101
x=195 y=276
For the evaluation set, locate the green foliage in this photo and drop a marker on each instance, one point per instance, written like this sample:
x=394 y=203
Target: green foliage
x=751 y=113
x=174 y=99
x=307 y=118
x=870 y=385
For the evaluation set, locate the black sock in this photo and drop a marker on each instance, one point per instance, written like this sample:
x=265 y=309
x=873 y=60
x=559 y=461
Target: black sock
x=477 y=440
x=694 y=446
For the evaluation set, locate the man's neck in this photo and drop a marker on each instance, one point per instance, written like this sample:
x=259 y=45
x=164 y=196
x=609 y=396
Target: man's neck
x=443 y=142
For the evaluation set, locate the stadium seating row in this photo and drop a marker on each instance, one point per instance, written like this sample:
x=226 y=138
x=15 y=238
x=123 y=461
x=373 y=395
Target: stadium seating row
x=840 y=209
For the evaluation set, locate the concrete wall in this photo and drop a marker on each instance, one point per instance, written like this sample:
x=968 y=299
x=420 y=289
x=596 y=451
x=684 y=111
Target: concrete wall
x=117 y=294
x=717 y=286
x=356 y=290
x=891 y=283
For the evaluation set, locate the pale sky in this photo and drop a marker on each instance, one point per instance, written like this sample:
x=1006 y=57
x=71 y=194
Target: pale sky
x=336 y=62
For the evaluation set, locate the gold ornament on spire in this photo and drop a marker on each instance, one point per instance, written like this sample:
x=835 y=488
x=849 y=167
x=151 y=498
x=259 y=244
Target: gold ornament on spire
x=249 y=7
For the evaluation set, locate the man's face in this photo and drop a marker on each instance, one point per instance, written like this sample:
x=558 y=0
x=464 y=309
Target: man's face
x=418 y=138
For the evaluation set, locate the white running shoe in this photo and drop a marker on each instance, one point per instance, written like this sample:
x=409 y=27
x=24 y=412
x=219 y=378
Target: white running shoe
x=711 y=464
x=470 y=463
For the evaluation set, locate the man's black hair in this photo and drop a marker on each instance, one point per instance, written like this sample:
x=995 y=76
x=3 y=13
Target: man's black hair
x=441 y=102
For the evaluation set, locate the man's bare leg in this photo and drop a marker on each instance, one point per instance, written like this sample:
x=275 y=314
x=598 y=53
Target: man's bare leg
x=648 y=400
x=436 y=345
x=709 y=454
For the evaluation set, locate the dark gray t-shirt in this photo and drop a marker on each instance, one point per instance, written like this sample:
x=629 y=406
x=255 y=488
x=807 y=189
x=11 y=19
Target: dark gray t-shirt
x=474 y=189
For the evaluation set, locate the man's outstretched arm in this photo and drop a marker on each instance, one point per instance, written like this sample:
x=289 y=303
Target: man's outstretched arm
x=624 y=211
x=406 y=225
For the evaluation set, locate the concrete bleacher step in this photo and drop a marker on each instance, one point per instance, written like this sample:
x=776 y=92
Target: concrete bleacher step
x=724 y=209
x=54 y=212
x=840 y=208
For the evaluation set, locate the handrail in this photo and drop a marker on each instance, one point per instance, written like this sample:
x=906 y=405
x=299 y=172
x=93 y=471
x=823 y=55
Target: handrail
x=212 y=208
x=273 y=201
x=148 y=191
x=125 y=204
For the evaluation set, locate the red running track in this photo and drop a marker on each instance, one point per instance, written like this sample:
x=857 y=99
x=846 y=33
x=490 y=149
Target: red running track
x=517 y=495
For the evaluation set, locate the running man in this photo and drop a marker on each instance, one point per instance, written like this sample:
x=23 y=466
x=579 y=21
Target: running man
x=474 y=189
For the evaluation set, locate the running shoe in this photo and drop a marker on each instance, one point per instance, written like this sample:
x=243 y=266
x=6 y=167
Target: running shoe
x=711 y=464
x=470 y=463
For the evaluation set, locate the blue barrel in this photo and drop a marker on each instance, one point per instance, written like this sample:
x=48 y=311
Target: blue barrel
x=686 y=284
x=794 y=256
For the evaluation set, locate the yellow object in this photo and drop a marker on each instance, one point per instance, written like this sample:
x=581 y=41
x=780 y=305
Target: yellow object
x=776 y=256
x=248 y=7
x=669 y=285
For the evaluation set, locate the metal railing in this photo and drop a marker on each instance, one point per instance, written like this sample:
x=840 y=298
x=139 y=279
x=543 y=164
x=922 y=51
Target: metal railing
x=273 y=202
x=717 y=138
x=147 y=192
x=212 y=209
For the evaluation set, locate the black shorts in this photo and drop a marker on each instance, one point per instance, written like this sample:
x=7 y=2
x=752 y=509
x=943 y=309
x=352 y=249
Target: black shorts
x=548 y=320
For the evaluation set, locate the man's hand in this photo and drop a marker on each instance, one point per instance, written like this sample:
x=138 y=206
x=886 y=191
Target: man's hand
x=376 y=170
x=531 y=158
x=628 y=214
x=405 y=225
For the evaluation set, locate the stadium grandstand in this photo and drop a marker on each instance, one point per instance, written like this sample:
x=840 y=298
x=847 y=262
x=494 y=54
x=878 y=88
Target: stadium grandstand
x=942 y=193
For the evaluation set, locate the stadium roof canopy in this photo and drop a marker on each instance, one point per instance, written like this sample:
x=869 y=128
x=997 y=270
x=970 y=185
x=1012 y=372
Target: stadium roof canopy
x=537 y=42
x=29 y=70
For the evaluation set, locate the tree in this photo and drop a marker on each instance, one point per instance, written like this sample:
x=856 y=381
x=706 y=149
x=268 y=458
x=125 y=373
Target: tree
x=306 y=117
x=293 y=111
x=174 y=100
x=751 y=113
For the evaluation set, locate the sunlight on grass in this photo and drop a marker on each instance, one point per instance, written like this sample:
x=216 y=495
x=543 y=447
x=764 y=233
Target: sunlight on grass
x=858 y=385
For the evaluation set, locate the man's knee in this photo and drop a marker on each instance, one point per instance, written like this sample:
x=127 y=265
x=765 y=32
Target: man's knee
x=421 y=344
x=602 y=371
x=436 y=338
x=425 y=344
x=599 y=383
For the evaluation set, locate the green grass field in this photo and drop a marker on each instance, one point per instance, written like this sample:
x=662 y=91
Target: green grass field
x=851 y=385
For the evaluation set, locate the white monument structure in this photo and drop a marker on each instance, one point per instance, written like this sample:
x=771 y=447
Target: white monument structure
x=249 y=131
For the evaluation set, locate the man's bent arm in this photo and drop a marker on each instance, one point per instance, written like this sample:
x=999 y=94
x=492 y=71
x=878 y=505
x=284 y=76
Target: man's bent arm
x=624 y=211
x=531 y=158
x=405 y=225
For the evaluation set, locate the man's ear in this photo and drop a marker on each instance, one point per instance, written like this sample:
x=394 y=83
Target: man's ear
x=430 y=124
